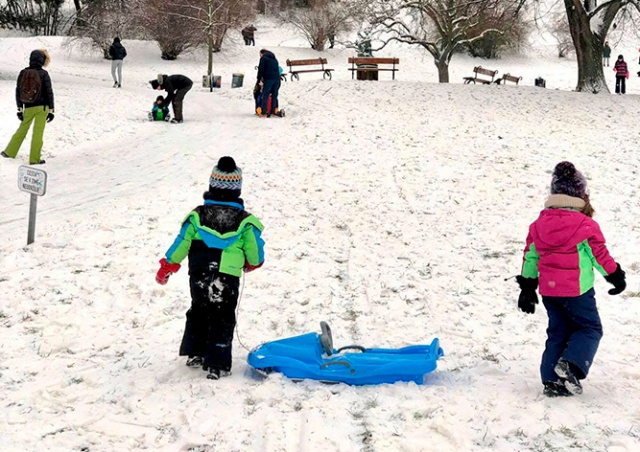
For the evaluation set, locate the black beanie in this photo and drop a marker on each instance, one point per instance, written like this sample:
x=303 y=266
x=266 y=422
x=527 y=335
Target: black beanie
x=567 y=180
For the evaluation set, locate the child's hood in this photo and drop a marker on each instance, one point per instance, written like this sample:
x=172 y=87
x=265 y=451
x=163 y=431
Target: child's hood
x=558 y=227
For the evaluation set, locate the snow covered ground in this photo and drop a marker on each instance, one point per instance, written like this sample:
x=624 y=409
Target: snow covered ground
x=393 y=210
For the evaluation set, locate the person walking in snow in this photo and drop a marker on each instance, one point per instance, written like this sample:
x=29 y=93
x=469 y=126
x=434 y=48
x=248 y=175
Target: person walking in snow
x=222 y=240
x=622 y=73
x=177 y=86
x=563 y=246
x=248 y=34
x=606 y=54
x=34 y=98
x=117 y=52
x=269 y=75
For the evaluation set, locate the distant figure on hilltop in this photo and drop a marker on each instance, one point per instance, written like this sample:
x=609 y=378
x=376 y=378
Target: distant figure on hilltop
x=117 y=52
x=34 y=98
x=248 y=35
x=622 y=73
x=606 y=54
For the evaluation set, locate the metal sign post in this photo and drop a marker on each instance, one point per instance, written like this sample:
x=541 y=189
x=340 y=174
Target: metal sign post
x=34 y=181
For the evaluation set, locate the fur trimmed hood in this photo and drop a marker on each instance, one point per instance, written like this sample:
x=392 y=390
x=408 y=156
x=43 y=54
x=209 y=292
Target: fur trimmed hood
x=39 y=58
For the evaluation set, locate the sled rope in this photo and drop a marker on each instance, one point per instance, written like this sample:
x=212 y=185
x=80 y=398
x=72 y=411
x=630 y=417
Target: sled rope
x=237 y=315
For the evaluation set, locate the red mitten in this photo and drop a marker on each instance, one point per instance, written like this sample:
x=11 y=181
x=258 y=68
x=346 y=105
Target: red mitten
x=627 y=74
x=166 y=270
x=249 y=268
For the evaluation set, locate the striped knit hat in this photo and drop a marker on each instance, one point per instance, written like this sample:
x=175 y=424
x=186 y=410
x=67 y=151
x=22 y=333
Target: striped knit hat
x=226 y=176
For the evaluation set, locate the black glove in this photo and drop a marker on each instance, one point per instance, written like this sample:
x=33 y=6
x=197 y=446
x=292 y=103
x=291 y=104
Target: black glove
x=617 y=279
x=50 y=117
x=528 y=297
x=20 y=115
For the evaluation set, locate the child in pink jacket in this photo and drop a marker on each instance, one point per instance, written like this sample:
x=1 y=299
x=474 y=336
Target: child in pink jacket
x=563 y=247
x=622 y=73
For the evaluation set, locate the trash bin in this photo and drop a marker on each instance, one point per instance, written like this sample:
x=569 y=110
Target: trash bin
x=236 y=80
x=541 y=82
x=367 y=75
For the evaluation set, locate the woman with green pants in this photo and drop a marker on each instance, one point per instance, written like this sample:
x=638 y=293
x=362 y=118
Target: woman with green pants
x=34 y=97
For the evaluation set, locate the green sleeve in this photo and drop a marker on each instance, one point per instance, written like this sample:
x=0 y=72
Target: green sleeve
x=181 y=245
x=530 y=260
x=253 y=245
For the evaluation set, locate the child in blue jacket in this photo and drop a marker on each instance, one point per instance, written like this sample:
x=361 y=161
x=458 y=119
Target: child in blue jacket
x=159 y=111
x=222 y=240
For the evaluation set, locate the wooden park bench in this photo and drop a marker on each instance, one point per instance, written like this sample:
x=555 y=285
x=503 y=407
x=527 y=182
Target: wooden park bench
x=508 y=78
x=326 y=73
x=479 y=70
x=370 y=64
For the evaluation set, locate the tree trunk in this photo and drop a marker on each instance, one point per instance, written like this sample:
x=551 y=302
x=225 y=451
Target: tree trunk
x=588 y=43
x=76 y=3
x=443 y=70
x=221 y=32
x=210 y=52
x=320 y=39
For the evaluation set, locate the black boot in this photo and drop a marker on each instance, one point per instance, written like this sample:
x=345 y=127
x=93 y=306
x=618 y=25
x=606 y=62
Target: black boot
x=555 y=389
x=194 y=361
x=571 y=382
x=217 y=374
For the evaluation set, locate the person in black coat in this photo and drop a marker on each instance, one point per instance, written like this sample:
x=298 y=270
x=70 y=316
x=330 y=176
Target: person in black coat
x=117 y=52
x=176 y=86
x=33 y=81
x=248 y=33
x=269 y=75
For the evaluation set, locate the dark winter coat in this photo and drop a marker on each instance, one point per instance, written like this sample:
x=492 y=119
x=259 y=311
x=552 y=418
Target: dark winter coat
x=37 y=60
x=268 y=69
x=173 y=83
x=621 y=68
x=247 y=32
x=606 y=52
x=219 y=234
x=117 y=50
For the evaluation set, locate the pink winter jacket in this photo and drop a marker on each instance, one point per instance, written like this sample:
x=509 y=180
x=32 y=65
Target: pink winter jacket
x=563 y=247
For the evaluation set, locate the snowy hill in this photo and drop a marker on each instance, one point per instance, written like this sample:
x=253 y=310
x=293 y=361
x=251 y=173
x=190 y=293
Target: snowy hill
x=393 y=210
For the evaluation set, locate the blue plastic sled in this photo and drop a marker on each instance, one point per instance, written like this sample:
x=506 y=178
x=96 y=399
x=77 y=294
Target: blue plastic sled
x=312 y=356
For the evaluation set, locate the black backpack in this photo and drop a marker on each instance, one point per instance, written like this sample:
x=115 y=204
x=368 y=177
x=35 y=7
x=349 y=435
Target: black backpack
x=30 y=86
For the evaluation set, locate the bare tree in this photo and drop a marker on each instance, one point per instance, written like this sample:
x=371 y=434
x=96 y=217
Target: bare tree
x=559 y=29
x=589 y=25
x=514 y=30
x=102 y=20
x=320 y=20
x=40 y=17
x=213 y=18
x=439 y=26
x=166 y=23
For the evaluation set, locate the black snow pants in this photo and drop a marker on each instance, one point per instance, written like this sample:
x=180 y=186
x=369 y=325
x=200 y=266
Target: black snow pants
x=212 y=318
x=177 y=102
x=620 y=85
